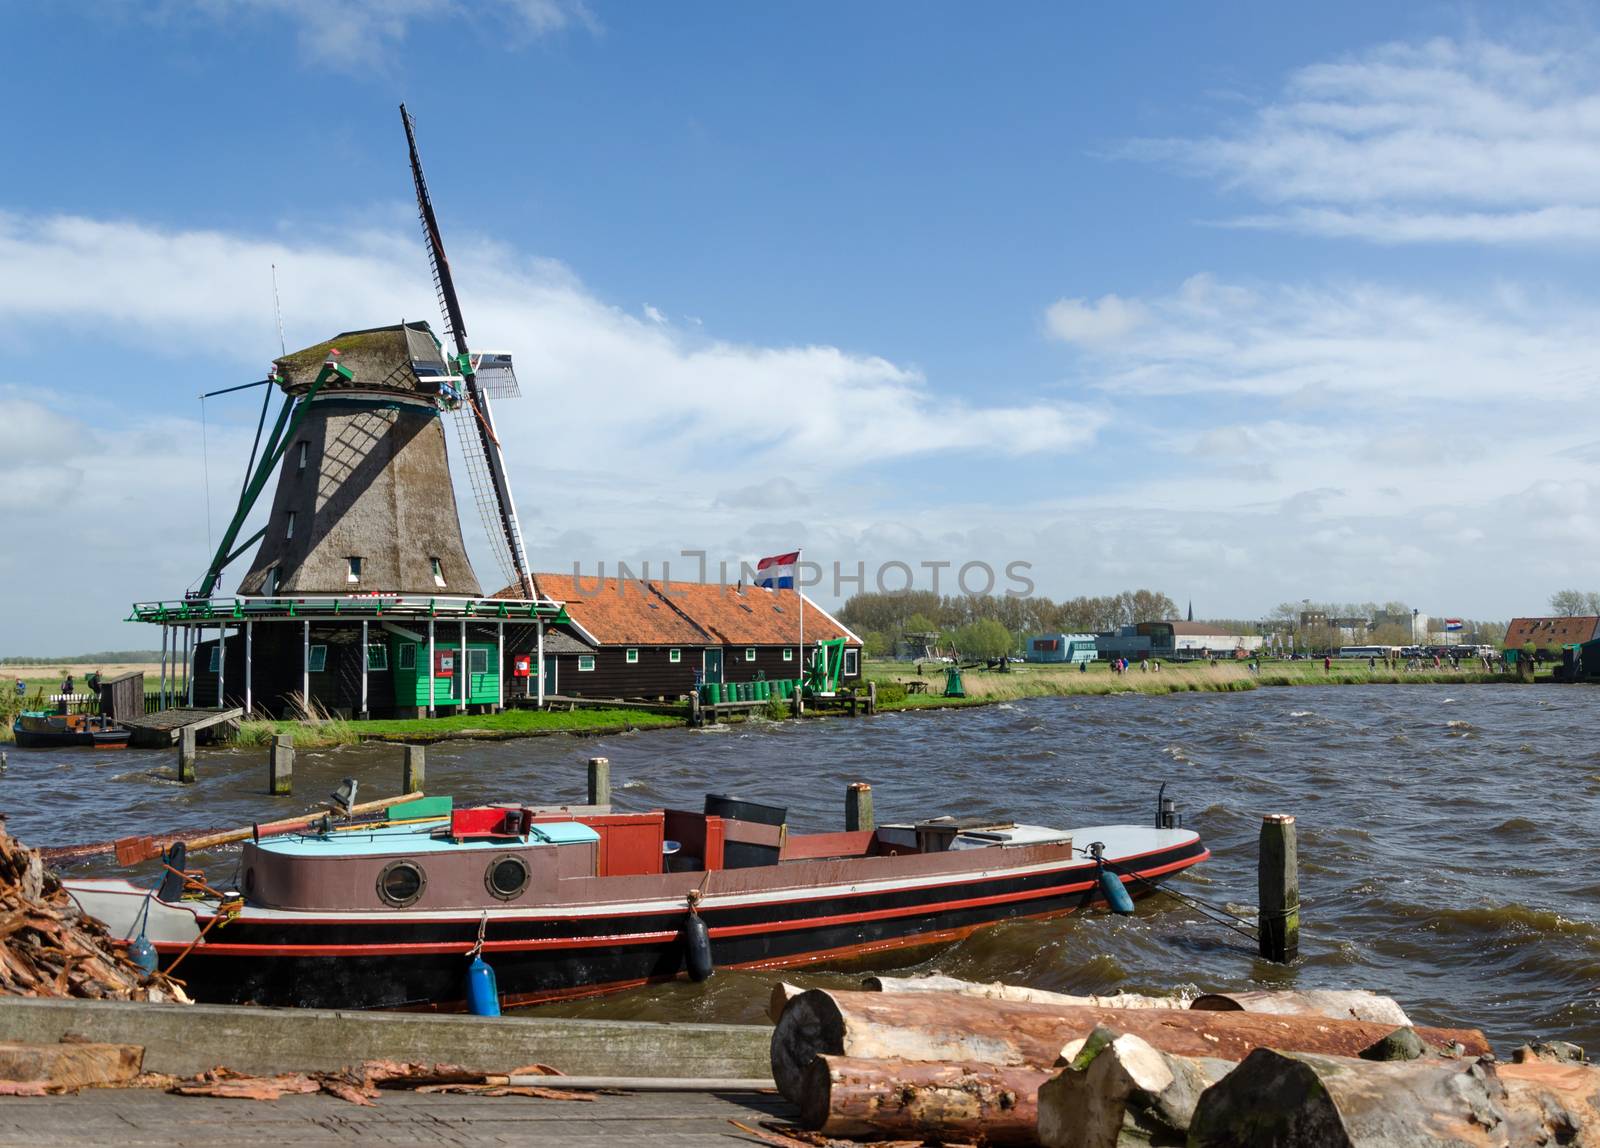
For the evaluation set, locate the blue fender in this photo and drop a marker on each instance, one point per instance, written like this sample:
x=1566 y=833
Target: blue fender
x=1116 y=893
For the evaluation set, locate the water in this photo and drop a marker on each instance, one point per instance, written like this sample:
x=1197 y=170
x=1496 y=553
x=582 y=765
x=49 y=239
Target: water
x=1448 y=835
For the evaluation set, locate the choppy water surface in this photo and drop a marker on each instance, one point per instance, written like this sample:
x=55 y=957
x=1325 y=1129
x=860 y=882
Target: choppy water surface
x=1449 y=838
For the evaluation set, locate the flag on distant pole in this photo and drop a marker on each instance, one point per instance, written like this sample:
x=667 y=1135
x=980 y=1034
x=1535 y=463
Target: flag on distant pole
x=1452 y=623
x=778 y=571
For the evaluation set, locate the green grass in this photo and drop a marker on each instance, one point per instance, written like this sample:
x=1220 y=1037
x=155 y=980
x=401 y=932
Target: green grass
x=489 y=727
x=1030 y=681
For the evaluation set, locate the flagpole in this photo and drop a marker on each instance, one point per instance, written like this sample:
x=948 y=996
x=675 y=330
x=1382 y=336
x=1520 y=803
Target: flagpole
x=799 y=558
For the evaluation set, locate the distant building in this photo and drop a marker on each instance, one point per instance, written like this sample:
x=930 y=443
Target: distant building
x=1071 y=648
x=1195 y=640
x=1549 y=636
x=1124 y=642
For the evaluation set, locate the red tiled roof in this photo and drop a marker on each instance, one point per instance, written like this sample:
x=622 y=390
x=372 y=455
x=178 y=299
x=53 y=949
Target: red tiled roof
x=618 y=613
x=1551 y=633
x=751 y=616
x=686 y=613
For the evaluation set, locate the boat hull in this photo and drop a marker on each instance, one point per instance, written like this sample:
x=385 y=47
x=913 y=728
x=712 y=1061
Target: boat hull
x=55 y=739
x=386 y=960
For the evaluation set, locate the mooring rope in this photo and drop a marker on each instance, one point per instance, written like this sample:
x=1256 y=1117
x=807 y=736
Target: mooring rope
x=1223 y=916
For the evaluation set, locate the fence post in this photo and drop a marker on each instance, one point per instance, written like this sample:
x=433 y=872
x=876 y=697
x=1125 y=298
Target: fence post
x=858 y=807
x=186 y=754
x=1279 y=889
x=280 y=766
x=414 y=771
x=599 y=781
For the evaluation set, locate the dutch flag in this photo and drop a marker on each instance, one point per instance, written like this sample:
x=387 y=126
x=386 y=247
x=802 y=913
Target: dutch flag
x=777 y=572
x=1452 y=623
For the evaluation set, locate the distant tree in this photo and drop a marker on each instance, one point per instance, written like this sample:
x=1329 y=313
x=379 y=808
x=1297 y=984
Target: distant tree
x=1569 y=603
x=1152 y=606
x=984 y=638
x=877 y=644
x=921 y=624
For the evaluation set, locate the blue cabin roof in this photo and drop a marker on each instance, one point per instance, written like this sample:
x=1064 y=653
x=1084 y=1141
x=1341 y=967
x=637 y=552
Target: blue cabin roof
x=431 y=838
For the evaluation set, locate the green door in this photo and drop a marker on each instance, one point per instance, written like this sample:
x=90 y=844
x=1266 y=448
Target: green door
x=714 y=666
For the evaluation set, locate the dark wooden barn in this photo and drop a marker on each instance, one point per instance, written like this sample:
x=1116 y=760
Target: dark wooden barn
x=637 y=639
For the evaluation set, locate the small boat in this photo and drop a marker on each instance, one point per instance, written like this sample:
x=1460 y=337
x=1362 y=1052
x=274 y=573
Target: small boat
x=40 y=729
x=390 y=915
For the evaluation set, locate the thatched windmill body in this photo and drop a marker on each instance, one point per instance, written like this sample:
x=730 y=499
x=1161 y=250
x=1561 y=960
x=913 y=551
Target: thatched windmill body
x=362 y=558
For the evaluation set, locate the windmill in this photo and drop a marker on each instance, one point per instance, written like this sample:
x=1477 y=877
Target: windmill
x=481 y=376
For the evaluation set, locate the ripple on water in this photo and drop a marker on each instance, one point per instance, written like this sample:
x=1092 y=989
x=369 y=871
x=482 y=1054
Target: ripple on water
x=1431 y=875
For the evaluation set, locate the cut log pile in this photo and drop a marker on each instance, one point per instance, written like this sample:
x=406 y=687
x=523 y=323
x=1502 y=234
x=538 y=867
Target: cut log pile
x=49 y=948
x=947 y=1062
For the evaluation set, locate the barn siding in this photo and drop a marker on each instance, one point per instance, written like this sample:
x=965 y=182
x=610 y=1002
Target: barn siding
x=654 y=675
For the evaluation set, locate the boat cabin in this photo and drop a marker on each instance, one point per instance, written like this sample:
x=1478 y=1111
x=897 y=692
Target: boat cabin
x=502 y=857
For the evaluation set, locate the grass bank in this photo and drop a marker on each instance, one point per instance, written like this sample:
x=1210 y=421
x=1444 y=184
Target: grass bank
x=478 y=727
x=895 y=680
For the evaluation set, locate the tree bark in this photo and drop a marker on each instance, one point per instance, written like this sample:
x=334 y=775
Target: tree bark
x=1300 y=1100
x=840 y=1096
x=1122 y=1090
x=782 y=993
x=997 y=990
x=1339 y=1004
x=950 y=1026
x=1561 y=1101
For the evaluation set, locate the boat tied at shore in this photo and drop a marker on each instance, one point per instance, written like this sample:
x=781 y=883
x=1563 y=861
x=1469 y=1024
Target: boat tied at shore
x=391 y=913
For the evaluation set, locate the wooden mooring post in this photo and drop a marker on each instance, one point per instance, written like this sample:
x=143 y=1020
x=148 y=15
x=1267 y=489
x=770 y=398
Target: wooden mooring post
x=280 y=766
x=1278 y=920
x=186 y=755
x=414 y=769
x=599 y=781
x=858 y=807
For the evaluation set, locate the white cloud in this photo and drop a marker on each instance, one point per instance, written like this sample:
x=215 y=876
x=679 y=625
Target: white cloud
x=1099 y=322
x=651 y=437
x=1357 y=347
x=363 y=35
x=1445 y=141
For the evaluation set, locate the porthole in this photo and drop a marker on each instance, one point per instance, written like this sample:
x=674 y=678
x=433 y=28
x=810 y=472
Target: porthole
x=506 y=877
x=401 y=883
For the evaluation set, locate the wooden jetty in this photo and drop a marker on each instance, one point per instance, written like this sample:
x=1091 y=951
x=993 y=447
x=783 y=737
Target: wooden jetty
x=162 y=729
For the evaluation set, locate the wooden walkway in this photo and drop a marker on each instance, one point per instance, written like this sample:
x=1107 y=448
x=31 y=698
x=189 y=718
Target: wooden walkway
x=160 y=729
x=132 y=1118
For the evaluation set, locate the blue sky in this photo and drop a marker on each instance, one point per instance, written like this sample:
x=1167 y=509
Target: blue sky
x=1240 y=302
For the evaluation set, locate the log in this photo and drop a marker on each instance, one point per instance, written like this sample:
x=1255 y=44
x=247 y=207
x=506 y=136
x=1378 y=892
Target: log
x=950 y=1026
x=70 y=1065
x=841 y=1096
x=1554 y=1102
x=782 y=993
x=1122 y=1090
x=1300 y=1100
x=1340 y=1004
x=999 y=991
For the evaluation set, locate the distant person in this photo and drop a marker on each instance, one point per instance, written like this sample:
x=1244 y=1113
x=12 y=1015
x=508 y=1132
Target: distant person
x=1083 y=667
x=22 y=689
x=1372 y=663
x=1327 y=663
x=1144 y=667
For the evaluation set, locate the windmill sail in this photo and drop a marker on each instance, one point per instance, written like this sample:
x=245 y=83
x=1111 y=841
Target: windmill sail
x=481 y=449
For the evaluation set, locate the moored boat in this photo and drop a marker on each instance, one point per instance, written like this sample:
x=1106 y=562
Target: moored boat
x=38 y=729
x=389 y=915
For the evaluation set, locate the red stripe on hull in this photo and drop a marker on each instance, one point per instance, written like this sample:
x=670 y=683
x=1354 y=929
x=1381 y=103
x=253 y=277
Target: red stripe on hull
x=224 y=949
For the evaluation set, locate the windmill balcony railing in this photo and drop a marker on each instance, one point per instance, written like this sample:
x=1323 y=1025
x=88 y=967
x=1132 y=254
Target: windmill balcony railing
x=222 y=609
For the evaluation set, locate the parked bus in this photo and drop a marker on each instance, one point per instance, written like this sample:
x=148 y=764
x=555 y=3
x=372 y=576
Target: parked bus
x=1368 y=651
